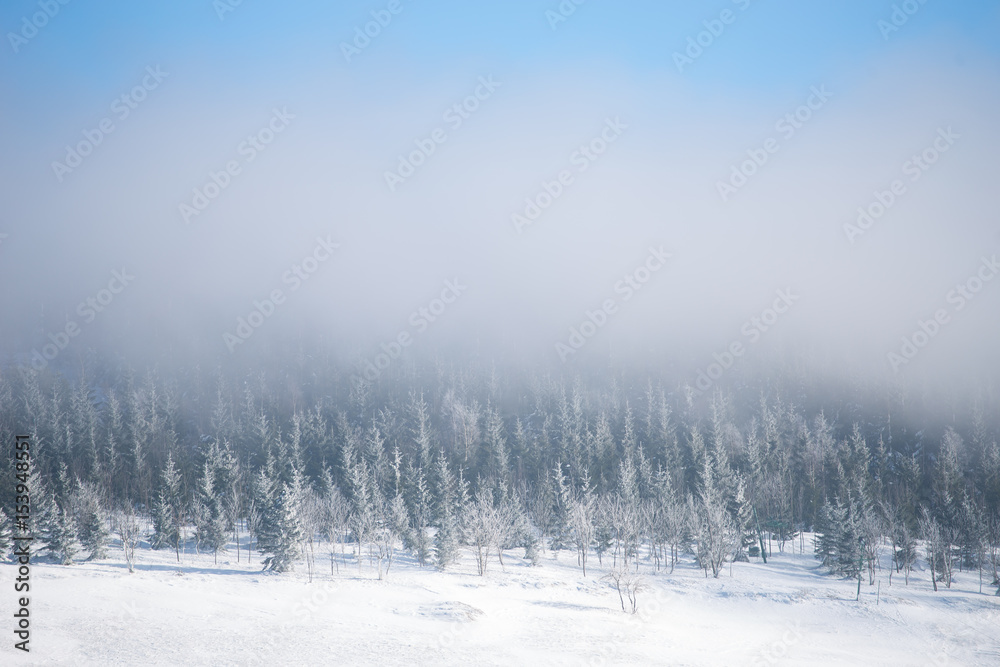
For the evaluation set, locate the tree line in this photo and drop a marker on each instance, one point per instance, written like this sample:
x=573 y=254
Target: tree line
x=303 y=465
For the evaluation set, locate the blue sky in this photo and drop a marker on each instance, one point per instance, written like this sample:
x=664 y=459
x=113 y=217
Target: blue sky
x=354 y=119
x=770 y=45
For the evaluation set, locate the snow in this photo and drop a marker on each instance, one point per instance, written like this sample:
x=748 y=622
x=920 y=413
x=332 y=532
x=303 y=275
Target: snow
x=787 y=612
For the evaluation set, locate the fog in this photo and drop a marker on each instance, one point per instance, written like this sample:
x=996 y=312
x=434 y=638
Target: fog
x=523 y=287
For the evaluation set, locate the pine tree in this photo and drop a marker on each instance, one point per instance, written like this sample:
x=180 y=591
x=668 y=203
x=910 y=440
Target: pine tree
x=828 y=525
x=562 y=502
x=743 y=517
x=92 y=521
x=419 y=502
x=445 y=513
x=6 y=534
x=838 y=545
x=210 y=522
x=59 y=538
x=168 y=511
x=280 y=535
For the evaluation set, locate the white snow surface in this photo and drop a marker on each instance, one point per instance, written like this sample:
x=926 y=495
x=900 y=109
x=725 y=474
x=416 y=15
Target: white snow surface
x=787 y=612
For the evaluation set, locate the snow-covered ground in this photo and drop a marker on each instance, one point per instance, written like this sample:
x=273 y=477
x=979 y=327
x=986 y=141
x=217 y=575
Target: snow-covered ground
x=784 y=613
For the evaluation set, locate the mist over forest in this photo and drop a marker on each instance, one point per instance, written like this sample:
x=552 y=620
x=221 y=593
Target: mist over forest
x=669 y=287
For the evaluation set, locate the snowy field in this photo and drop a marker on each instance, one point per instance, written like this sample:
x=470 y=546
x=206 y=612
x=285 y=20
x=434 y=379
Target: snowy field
x=784 y=613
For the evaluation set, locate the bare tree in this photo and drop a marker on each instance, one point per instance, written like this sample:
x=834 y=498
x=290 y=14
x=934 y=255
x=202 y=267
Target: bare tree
x=627 y=582
x=490 y=525
x=675 y=529
x=129 y=532
x=623 y=518
x=715 y=534
x=938 y=552
x=311 y=518
x=582 y=524
x=335 y=510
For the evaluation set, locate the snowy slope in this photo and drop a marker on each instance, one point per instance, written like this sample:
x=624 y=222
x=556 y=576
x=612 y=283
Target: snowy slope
x=783 y=613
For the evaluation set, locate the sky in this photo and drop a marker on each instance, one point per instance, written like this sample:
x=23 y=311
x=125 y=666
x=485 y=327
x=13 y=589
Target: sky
x=558 y=153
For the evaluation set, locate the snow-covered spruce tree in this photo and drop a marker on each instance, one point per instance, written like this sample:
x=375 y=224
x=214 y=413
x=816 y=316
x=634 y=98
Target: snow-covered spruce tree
x=6 y=534
x=850 y=543
x=524 y=533
x=263 y=490
x=946 y=507
x=828 y=526
x=603 y=531
x=742 y=512
x=51 y=522
x=168 y=510
x=446 y=509
x=420 y=429
x=210 y=517
x=419 y=502
x=162 y=518
x=280 y=534
x=92 y=521
x=838 y=543
x=562 y=502
x=59 y=537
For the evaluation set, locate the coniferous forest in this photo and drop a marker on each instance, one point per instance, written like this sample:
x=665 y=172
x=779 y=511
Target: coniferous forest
x=499 y=333
x=302 y=468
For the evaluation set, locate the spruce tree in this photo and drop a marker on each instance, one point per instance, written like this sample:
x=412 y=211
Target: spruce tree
x=281 y=535
x=168 y=510
x=92 y=521
x=59 y=538
x=211 y=518
x=419 y=502
x=445 y=511
x=6 y=534
x=562 y=503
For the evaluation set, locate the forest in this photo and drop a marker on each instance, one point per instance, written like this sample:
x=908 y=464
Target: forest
x=303 y=467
